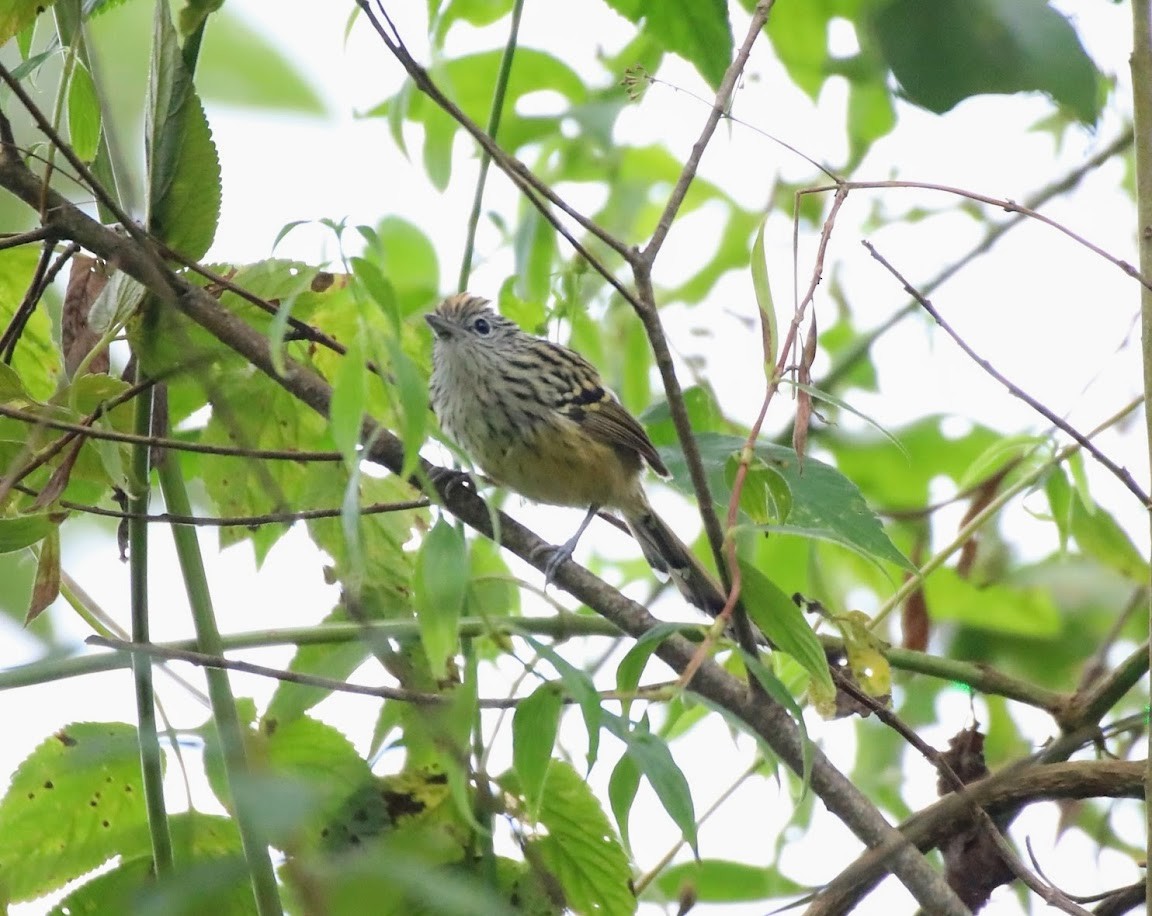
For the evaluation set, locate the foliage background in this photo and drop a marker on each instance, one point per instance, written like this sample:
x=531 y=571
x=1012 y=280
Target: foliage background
x=1037 y=296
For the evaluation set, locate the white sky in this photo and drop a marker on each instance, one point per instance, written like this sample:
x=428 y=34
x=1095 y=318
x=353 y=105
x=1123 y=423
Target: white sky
x=1046 y=312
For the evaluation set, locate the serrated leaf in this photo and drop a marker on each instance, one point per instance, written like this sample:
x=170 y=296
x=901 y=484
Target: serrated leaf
x=697 y=31
x=16 y=15
x=183 y=165
x=579 y=847
x=825 y=503
x=210 y=876
x=83 y=783
x=534 y=726
x=441 y=581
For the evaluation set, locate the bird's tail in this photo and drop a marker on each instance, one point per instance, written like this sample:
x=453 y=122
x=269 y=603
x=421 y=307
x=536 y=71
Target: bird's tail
x=666 y=553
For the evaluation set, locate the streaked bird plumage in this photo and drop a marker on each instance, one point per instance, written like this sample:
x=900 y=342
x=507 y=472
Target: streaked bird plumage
x=536 y=418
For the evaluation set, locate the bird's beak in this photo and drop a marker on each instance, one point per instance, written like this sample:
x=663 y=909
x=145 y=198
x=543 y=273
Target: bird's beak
x=442 y=328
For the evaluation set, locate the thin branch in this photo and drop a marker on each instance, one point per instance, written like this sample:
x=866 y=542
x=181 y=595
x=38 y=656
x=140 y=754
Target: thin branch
x=84 y=430
x=1009 y=206
x=493 y=129
x=844 y=363
x=16 y=239
x=1121 y=474
x=1051 y=895
x=519 y=173
x=653 y=693
x=763 y=715
x=723 y=99
x=238 y=521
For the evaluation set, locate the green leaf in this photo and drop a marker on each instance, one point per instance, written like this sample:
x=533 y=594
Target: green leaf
x=800 y=41
x=407 y=260
x=349 y=397
x=534 y=726
x=116 y=303
x=996 y=608
x=900 y=479
x=210 y=876
x=655 y=761
x=492 y=592
x=697 y=30
x=623 y=785
x=825 y=503
x=183 y=166
x=763 y=290
x=240 y=65
x=578 y=845
x=580 y=687
x=37 y=360
x=944 y=51
x=411 y=389
x=469 y=80
x=83 y=785
x=83 y=113
x=334 y=660
x=20 y=531
x=784 y=623
x=440 y=584
x=721 y=881
x=15 y=15
x=1100 y=536
x=635 y=660
x=871 y=116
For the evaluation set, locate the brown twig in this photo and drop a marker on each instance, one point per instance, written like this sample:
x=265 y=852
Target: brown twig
x=84 y=430
x=1121 y=474
x=1009 y=206
x=765 y=717
x=238 y=521
x=205 y=660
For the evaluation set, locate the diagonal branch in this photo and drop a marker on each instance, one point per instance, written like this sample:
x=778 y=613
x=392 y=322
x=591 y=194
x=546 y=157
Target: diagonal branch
x=1121 y=474
x=719 y=107
x=766 y=717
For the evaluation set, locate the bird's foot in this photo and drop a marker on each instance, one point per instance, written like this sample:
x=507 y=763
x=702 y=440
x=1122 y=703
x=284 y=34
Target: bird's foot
x=446 y=480
x=558 y=556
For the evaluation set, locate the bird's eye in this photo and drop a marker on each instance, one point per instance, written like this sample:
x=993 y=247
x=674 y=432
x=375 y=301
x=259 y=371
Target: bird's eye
x=482 y=327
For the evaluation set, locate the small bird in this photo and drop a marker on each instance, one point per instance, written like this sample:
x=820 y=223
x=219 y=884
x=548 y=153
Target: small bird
x=536 y=418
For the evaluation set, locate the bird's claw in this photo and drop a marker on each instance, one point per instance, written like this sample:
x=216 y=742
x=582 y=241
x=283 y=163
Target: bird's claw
x=446 y=480
x=559 y=556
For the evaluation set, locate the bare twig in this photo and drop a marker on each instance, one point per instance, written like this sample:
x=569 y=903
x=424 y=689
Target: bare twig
x=1121 y=474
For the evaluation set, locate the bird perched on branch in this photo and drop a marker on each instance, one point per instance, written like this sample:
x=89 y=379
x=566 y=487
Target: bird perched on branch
x=537 y=419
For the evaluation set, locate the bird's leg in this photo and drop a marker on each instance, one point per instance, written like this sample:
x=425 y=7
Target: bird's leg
x=564 y=551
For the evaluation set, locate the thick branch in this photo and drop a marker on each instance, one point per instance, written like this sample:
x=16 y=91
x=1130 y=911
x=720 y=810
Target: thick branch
x=997 y=794
x=767 y=718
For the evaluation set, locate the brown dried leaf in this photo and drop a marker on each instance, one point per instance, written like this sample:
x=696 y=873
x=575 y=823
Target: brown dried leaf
x=85 y=281
x=46 y=586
